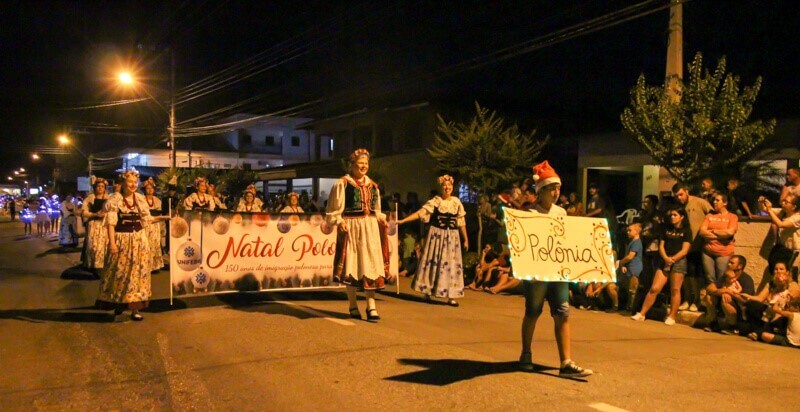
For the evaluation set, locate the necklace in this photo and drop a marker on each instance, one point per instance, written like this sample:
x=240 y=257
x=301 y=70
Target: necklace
x=130 y=206
x=201 y=198
x=150 y=203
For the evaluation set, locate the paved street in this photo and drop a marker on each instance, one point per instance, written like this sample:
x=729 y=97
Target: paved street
x=299 y=351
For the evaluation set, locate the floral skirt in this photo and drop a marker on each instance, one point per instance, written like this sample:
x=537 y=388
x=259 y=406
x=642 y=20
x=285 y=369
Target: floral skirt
x=441 y=271
x=96 y=244
x=154 y=237
x=125 y=279
x=68 y=234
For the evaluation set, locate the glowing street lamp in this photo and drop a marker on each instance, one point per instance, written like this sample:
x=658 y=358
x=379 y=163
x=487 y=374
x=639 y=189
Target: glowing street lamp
x=125 y=78
x=35 y=156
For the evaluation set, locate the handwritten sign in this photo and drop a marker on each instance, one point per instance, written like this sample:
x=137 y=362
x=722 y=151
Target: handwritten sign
x=559 y=248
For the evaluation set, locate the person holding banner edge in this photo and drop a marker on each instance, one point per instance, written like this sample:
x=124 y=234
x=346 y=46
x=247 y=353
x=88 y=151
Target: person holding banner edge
x=362 y=255
x=548 y=188
x=441 y=271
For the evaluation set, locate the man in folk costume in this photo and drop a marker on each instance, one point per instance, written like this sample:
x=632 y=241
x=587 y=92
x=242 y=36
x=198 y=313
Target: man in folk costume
x=362 y=256
x=548 y=188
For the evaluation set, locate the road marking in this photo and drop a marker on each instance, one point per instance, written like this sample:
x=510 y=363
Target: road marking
x=600 y=406
x=316 y=313
x=186 y=387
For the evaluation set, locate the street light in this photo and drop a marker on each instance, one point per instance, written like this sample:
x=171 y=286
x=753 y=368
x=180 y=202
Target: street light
x=64 y=140
x=126 y=79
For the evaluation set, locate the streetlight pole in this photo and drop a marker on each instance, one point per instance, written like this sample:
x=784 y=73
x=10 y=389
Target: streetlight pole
x=172 y=110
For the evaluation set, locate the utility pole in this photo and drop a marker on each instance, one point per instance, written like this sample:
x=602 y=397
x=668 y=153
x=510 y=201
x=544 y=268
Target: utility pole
x=172 y=110
x=675 y=50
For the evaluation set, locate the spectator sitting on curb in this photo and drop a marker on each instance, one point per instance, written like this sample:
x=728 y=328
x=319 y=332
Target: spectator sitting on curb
x=725 y=295
x=603 y=296
x=792 y=336
x=488 y=260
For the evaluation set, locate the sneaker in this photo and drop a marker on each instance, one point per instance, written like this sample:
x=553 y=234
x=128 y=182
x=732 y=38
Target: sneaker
x=684 y=306
x=571 y=370
x=693 y=308
x=669 y=321
x=638 y=317
x=526 y=362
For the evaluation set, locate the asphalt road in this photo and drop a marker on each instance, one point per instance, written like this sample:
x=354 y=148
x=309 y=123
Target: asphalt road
x=299 y=351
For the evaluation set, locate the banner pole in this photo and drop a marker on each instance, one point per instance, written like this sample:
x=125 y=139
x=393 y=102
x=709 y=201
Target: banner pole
x=396 y=216
x=169 y=249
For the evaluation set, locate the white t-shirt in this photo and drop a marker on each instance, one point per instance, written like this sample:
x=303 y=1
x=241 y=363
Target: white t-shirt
x=793 y=331
x=790 y=236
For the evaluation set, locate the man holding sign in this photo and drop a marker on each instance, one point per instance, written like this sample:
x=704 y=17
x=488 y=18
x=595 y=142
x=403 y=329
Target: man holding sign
x=548 y=188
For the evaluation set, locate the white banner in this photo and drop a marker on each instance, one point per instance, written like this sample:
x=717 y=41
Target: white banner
x=228 y=251
x=559 y=248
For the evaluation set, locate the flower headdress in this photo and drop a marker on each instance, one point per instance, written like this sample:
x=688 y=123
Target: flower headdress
x=445 y=178
x=358 y=153
x=288 y=195
x=128 y=173
x=149 y=183
x=99 y=181
x=251 y=188
x=200 y=179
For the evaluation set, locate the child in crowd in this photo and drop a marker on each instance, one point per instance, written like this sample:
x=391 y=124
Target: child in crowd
x=792 y=337
x=631 y=264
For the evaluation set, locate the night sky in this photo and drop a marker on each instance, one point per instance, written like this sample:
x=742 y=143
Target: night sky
x=328 y=58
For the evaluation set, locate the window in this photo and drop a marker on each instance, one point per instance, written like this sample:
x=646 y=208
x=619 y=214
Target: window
x=296 y=141
x=227 y=165
x=269 y=140
x=246 y=166
x=244 y=138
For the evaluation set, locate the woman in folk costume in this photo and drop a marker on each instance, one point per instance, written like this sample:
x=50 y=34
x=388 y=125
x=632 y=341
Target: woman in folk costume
x=292 y=204
x=200 y=200
x=248 y=203
x=156 y=227
x=218 y=204
x=125 y=279
x=441 y=272
x=362 y=254
x=256 y=202
x=96 y=242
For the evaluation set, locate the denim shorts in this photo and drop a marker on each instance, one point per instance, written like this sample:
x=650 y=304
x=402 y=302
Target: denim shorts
x=556 y=293
x=679 y=267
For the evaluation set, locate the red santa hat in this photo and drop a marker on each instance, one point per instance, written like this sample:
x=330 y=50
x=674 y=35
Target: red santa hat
x=544 y=175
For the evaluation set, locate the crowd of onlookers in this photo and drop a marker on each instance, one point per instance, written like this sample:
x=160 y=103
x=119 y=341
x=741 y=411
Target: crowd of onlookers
x=676 y=253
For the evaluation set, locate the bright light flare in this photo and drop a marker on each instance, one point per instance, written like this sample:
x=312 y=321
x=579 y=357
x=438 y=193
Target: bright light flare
x=63 y=139
x=125 y=78
x=35 y=156
x=22 y=169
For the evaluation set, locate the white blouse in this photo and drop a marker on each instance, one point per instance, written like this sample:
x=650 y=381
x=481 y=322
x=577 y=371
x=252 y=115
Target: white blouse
x=452 y=205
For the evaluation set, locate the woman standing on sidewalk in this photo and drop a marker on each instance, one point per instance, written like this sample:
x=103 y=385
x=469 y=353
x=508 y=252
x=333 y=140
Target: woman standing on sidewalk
x=125 y=280
x=96 y=242
x=361 y=260
x=673 y=249
x=440 y=272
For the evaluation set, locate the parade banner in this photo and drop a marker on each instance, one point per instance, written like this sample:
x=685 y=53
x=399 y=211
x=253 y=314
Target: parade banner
x=559 y=248
x=213 y=252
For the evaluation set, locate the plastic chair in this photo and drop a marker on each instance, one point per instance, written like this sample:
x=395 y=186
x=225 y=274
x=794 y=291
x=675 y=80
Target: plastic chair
x=627 y=217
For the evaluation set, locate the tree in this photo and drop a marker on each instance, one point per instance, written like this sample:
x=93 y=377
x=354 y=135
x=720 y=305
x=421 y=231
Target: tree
x=705 y=131
x=484 y=153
